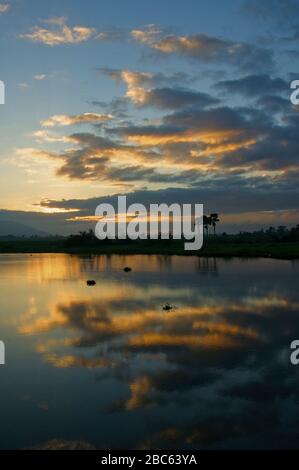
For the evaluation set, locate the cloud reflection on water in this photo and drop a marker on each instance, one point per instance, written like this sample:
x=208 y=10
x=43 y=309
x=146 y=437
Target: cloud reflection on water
x=214 y=372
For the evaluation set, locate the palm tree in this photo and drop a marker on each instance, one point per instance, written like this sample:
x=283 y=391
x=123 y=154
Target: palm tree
x=214 y=218
x=206 y=223
x=208 y=220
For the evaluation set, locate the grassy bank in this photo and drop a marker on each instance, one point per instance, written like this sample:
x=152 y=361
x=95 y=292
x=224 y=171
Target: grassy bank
x=282 y=250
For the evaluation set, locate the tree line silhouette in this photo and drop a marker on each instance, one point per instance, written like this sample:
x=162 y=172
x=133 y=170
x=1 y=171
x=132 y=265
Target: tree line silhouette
x=89 y=236
x=271 y=234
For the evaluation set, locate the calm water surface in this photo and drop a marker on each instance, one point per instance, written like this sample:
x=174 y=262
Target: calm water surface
x=107 y=366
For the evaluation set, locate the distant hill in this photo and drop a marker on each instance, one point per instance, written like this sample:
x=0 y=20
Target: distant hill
x=10 y=228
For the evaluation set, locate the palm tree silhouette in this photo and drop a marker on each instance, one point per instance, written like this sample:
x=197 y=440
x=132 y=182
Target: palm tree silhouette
x=214 y=218
x=207 y=220
x=206 y=223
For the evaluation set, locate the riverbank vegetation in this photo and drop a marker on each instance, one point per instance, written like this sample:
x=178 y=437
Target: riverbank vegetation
x=279 y=242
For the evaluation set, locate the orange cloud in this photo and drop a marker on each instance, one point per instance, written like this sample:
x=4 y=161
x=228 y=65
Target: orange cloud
x=59 y=33
x=85 y=118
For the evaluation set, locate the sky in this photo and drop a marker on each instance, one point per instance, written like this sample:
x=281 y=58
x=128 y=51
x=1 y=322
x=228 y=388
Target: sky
x=164 y=101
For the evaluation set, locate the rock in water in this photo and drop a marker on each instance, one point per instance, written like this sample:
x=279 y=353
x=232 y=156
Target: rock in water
x=168 y=307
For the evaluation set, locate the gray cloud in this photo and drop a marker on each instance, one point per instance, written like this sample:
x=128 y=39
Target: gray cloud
x=175 y=98
x=273 y=104
x=146 y=79
x=208 y=49
x=277 y=151
x=146 y=89
x=192 y=143
x=244 y=196
x=254 y=85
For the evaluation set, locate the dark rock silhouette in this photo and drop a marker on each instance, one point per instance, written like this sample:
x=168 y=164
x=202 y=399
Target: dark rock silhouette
x=91 y=282
x=167 y=307
x=127 y=269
